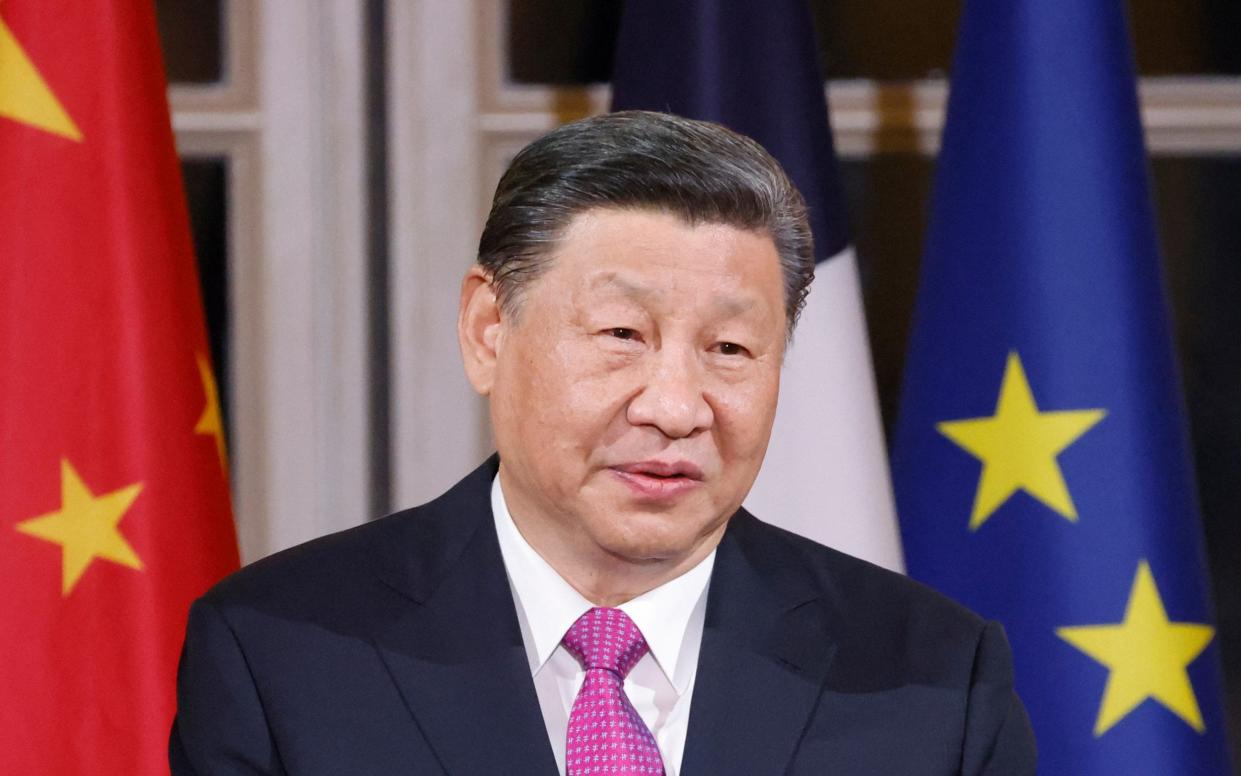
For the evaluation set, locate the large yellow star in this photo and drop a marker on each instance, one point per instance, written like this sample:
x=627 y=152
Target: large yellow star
x=1147 y=656
x=25 y=96
x=209 y=423
x=1018 y=447
x=85 y=527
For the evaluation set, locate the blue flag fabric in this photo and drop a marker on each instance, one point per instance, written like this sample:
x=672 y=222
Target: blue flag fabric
x=752 y=65
x=1041 y=463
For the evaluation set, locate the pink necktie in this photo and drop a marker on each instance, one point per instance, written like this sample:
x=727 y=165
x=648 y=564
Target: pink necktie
x=606 y=735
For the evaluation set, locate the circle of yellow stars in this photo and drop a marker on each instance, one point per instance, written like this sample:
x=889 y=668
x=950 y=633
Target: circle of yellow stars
x=1018 y=446
x=1146 y=655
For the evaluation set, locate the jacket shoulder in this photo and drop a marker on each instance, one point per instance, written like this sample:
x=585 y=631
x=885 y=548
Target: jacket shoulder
x=409 y=549
x=329 y=564
x=883 y=610
x=910 y=670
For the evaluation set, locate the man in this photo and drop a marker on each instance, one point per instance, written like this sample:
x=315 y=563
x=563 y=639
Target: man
x=594 y=599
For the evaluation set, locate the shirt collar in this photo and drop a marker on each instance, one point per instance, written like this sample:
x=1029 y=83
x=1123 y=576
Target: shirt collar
x=549 y=605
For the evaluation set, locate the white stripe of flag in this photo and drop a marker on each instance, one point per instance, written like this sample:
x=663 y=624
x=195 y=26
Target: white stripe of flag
x=826 y=472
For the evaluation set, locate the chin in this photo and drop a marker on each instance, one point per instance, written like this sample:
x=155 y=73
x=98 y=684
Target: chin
x=654 y=537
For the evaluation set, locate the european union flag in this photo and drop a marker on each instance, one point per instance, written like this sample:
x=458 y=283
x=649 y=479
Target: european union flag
x=1041 y=464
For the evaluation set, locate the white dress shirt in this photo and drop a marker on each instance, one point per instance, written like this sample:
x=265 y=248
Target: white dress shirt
x=670 y=617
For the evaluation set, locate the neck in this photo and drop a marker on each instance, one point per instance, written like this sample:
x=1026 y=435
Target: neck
x=614 y=581
x=603 y=577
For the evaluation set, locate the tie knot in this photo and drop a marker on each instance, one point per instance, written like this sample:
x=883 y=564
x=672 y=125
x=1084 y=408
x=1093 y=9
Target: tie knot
x=605 y=638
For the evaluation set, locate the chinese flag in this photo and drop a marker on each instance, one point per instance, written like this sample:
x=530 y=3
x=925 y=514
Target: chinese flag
x=114 y=507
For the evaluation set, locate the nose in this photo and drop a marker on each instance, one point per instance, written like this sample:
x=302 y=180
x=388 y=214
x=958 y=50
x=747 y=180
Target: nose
x=673 y=397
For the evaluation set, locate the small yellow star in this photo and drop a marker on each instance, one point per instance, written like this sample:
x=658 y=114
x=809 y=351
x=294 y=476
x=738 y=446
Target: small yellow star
x=1147 y=656
x=1018 y=447
x=209 y=423
x=25 y=96
x=85 y=527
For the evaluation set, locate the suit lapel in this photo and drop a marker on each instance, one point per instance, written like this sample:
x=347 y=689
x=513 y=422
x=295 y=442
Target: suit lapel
x=765 y=655
x=452 y=643
x=453 y=647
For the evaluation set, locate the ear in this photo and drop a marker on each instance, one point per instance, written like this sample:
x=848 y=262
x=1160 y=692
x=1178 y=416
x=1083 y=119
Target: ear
x=478 y=329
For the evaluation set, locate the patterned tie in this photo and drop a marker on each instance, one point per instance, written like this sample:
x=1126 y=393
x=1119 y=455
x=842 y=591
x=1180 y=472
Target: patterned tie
x=606 y=735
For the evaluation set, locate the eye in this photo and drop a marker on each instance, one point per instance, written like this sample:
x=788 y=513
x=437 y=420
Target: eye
x=731 y=349
x=622 y=333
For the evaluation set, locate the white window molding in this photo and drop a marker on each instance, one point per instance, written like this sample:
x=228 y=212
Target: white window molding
x=439 y=424
x=290 y=120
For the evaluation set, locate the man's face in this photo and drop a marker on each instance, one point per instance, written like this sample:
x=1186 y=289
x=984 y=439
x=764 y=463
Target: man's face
x=634 y=391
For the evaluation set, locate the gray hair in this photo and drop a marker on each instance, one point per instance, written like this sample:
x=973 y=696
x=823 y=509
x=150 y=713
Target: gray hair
x=698 y=171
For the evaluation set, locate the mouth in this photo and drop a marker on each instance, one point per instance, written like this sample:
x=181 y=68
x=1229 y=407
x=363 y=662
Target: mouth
x=659 y=480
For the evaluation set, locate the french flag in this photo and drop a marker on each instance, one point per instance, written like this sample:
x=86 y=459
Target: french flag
x=752 y=65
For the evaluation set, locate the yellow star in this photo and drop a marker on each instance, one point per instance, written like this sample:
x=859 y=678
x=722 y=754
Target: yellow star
x=85 y=527
x=1147 y=656
x=25 y=96
x=1018 y=447
x=209 y=423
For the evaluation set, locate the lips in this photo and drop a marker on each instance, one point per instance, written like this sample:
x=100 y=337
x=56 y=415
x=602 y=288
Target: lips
x=659 y=480
x=662 y=469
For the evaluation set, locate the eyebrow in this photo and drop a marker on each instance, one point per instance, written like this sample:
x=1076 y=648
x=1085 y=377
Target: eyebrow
x=628 y=288
x=729 y=305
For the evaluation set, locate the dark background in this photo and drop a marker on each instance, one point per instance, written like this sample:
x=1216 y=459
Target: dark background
x=1198 y=204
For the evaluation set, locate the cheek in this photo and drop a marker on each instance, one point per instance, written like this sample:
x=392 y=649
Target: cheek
x=573 y=394
x=744 y=414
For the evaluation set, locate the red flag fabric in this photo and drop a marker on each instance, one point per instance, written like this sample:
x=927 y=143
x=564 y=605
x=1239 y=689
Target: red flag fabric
x=114 y=506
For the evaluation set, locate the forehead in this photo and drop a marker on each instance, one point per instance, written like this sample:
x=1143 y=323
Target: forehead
x=646 y=254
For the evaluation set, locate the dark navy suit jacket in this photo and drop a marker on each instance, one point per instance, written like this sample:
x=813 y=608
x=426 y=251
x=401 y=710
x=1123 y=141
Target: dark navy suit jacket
x=394 y=648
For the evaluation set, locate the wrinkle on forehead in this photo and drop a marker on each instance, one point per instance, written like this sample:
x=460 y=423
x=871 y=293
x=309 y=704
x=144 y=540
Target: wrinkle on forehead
x=610 y=279
x=728 y=304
